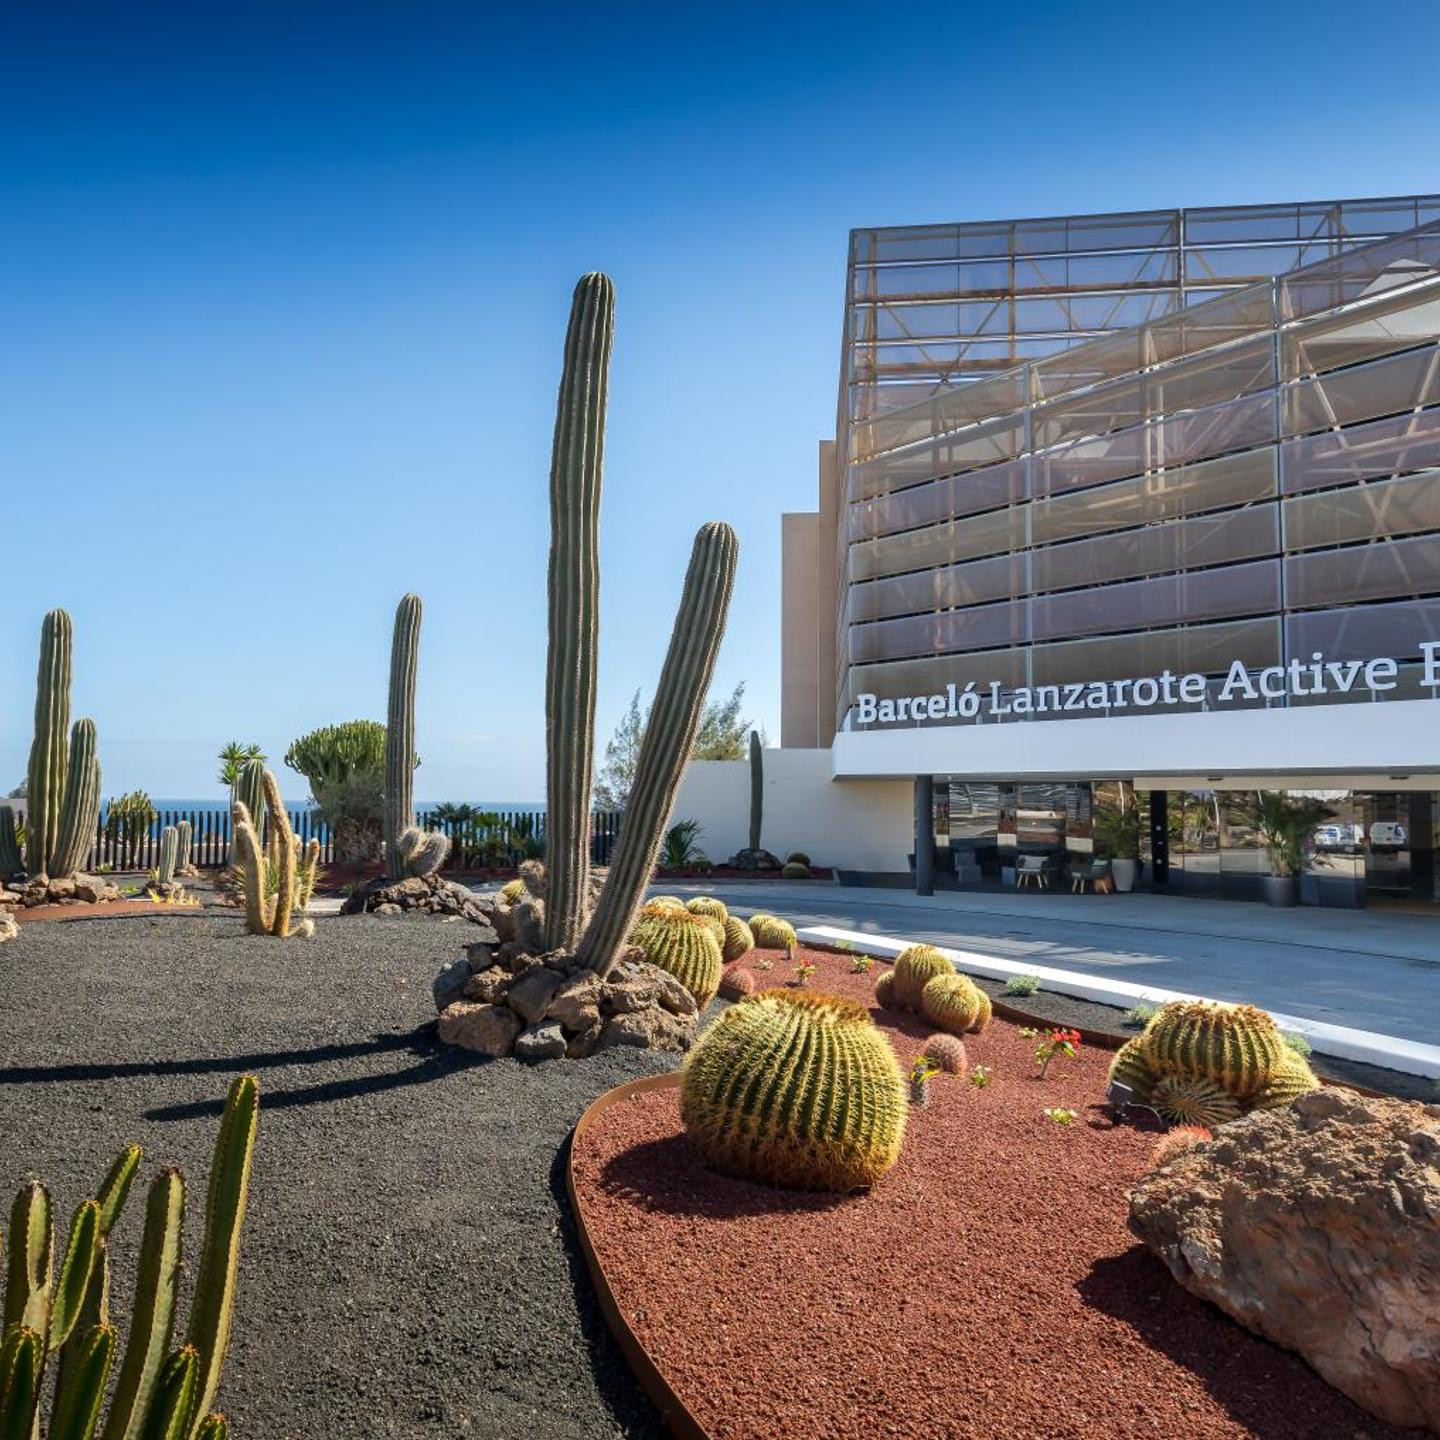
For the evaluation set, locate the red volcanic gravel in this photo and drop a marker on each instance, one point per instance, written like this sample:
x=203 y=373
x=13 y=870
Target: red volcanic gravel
x=987 y=1289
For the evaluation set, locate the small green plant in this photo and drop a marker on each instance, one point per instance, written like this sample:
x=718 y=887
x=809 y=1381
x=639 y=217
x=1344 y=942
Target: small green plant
x=803 y=971
x=981 y=1076
x=1298 y=1043
x=1056 y=1043
x=1021 y=985
x=678 y=850
x=1139 y=1016
x=1028 y=1032
x=861 y=964
x=1061 y=1116
x=844 y=945
x=129 y=889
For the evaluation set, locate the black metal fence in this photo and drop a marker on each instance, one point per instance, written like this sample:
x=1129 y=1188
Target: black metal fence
x=482 y=840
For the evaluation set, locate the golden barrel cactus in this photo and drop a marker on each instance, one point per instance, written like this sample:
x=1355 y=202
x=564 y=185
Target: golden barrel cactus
x=955 y=1003
x=772 y=933
x=738 y=940
x=914 y=969
x=682 y=944
x=708 y=905
x=1236 y=1046
x=796 y=1089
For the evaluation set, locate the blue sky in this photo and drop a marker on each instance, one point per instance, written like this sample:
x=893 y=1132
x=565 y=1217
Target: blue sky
x=284 y=289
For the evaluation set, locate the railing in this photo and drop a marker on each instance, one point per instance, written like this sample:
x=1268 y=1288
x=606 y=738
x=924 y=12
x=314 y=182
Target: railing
x=491 y=840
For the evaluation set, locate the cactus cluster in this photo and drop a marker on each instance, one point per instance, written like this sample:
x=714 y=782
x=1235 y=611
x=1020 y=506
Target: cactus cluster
x=796 y=1089
x=1200 y=1063
x=769 y=932
x=277 y=875
x=956 y=1004
x=62 y=784
x=914 y=968
x=682 y=944
x=56 y=1319
x=739 y=940
x=408 y=849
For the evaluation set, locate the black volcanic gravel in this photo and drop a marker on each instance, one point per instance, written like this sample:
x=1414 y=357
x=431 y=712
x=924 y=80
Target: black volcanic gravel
x=408 y=1266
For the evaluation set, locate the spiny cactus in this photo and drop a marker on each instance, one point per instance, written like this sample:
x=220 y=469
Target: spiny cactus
x=684 y=945
x=914 y=969
x=1292 y=1079
x=402 y=852
x=169 y=855
x=60 y=1320
x=63 y=780
x=708 y=905
x=1193 y=1100
x=739 y=940
x=714 y=926
x=1177 y=1142
x=1237 y=1046
x=513 y=891
x=757 y=788
x=672 y=902
x=576 y=468
x=736 y=982
x=772 y=933
x=278 y=876
x=421 y=852
x=948 y=1052
x=793 y=870
x=11 y=860
x=885 y=989
x=1130 y=1068
x=184 y=837
x=955 y=1003
x=250 y=792
x=669 y=735
x=796 y=1089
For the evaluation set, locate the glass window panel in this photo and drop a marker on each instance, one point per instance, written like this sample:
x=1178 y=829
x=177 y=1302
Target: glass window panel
x=949 y=409
x=941 y=633
x=1361 y=273
x=969 y=449
x=1234 y=224
x=1364 y=512
x=1401 y=382
x=1379 y=217
x=1391 y=323
x=1252 y=589
x=1364 y=572
x=1250 y=262
x=1363 y=452
x=1242 y=423
x=946 y=499
x=1164 y=495
x=1181 y=544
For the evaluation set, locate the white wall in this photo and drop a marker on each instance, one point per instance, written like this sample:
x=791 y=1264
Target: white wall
x=847 y=824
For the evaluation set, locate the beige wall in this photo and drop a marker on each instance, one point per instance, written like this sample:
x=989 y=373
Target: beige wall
x=807 y=614
x=849 y=824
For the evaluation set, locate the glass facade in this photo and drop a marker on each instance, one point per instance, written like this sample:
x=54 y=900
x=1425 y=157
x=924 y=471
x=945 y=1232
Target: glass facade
x=1248 y=471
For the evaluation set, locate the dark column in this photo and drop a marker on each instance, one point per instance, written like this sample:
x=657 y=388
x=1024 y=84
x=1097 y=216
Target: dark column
x=1159 y=837
x=924 y=834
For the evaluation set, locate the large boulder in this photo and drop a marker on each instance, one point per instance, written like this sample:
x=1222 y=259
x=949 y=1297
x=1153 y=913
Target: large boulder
x=1318 y=1226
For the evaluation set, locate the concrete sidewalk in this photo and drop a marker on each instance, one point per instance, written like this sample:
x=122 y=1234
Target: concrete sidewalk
x=1367 y=970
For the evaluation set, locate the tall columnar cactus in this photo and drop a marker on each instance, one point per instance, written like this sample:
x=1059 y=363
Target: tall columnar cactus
x=683 y=945
x=757 y=788
x=796 y=1089
x=184 y=837
x=250 y=792
x=576 y=466
x=400 y=732
x=60 y=1318
x=169 y=855
x=63 y=781
x=278 y=874
x=674 y=718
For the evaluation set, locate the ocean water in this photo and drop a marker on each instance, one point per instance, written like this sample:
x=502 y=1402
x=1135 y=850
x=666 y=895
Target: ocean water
x=222 y=805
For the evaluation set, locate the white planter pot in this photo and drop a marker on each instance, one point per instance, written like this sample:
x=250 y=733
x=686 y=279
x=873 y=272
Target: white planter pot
x=1123 y=873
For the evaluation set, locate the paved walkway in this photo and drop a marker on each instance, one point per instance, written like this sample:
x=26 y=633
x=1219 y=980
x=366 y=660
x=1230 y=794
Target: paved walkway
x=1371 y=970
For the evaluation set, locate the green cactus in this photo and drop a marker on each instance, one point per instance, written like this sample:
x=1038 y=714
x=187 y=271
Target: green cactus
x=400 y=732
x=63 y=780
x=739 y=940
x=64 y=1314
x=12 y=862
x=708 y=905
x=885 y=989
x=184 y=838
x=682 y=944
x=948 y=1052
x=757 y=788
x=736 y=982
x=1193 y=1100
x=169 y=855
x=1131 y=1068
x=277 y=877
x=420 y=852
x=1292 y=1079
x=793 y=870
x=250 y=792
x=674 y=719
x=795 y=1089
x=513 y=891
x=1236 y=1046
x=771 y=933
x=955 y=1003
x=576 y=468
x=914 y=968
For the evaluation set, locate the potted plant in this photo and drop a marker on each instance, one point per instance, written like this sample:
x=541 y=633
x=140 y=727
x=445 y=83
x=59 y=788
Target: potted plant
x=1282 y=823
x=1117 y=828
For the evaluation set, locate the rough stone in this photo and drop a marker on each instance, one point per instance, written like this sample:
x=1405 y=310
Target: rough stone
x=586 y=1042
x=673 y=995
x=1318 y=1226
x=650 y=1029
x=9 y=927
x=545 y=1041
x=530 y=992
x=576 y=1003
x=388 y=909
x=760 y=859
x=62 y=889
x=629 y=993
x=428 y=894
x=489 y=986
x=480 y=954
x=93 y=890
x=485 y=1029
x=449 y=985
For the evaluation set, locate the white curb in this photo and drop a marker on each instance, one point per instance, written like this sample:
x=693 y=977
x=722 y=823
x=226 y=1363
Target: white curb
x=1389 y=1051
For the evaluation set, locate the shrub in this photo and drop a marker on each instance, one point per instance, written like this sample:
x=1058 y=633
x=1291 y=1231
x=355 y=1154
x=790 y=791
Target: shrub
x=1298 y=1043
x=345 y=765
x=678 y=850
x=1175 y=1143
x=948 y=1052
x=861 y=964
x=1021 y=985
x=795 y=1089
x=914 y=968
x=1138 y=1016
x=981 y=1076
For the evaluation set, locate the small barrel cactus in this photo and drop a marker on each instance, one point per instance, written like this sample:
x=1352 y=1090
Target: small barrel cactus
x=1132 y=1069
x=714 y=926
x=513 y=891
x=1237 y=1047
x=708 y=905
x=670 y=902
x=738 y=940
x=955 y=1003
x=948 y=1052
x=684 y=945
x=772 y=933
x=793 y=870
x=914 y=969
x=885 y=989
x=1293 y=1079
x=736 y=982
x=1193 y=1100
x=796 y=1089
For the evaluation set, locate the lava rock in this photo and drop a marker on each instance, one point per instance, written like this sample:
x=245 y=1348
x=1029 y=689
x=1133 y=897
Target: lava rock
x=484 y=1029
x=650 y=1029
x=9 y=928
x=1318 y=1226
x=488 y=987
x=530 y=993
x=576 y=1003
x=545 y=1041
